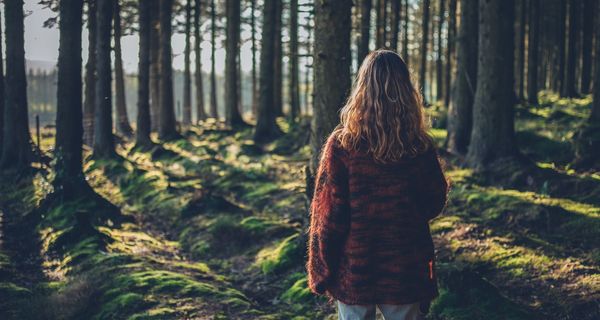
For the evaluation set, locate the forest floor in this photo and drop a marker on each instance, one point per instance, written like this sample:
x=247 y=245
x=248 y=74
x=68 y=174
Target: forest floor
x=211 y=227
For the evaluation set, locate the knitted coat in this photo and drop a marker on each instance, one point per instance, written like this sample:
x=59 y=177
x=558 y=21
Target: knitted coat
x=369 y=238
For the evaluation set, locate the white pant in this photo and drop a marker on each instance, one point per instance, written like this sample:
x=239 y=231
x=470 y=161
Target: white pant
x=389 y=311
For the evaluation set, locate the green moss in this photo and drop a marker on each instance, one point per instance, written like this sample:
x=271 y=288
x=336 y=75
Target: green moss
x=120 y=305
x=298 y=293
x=280 y=256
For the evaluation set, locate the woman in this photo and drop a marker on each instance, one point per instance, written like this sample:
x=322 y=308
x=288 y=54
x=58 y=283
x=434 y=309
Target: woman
x=378 y=184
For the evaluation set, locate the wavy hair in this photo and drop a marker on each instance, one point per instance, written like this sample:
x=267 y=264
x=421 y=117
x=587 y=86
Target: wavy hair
x=384 y=112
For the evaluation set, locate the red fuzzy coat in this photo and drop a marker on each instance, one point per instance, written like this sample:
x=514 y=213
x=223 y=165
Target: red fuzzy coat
x=369 y=238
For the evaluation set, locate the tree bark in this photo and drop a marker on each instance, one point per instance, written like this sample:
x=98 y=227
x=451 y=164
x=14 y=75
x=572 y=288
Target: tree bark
x=493 y=135
x=460 y=110
x=395 y=21
x=569 y=87
x=559 y=79
x=200 y=110
x=331 y=69
x=90 y=77
x=167 y=128
x=69 y=129
x=266 y=127
x=253 y=39
x=450 y=50
x=187 y=73
x=233 y=116
x=379 y=24
x=365 y=30
x=521 y=52
x=424 y=43
x=103 y=137
x=439 y=63
x=405 y=30
x=155 y=66
x=586 y=46
x=595 y=114
x=143 y=115
x=277 y=72
x=1 y=88
x=123 y=126
x=533 y=50
x=17 y=149
x=293 y=65
x=214 y=110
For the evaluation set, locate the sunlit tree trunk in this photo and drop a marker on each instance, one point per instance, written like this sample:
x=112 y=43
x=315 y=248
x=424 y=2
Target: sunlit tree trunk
x=214 y=110
x=200 y=110
x=493 y=135
x=450 y=54
x=90 y=77
x=103 y=137
x=266 y=127
x=187 y=74
x=155 y=65
x=424 y=43
x=123 y=126
x=532 y=52
x=293 y=64
x=233 y=117
x=460 y=110
x=143 y=115
x=332 y=61
x=167 y=128
x=17 y=148
x=69 y=115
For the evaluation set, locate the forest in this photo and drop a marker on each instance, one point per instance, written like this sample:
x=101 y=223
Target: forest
x=181 y=190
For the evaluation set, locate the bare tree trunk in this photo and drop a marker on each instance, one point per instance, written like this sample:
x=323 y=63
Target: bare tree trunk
x=424 y=43
x=365 y=30
x=493 y=135
x=293 y=65
x=561 y=47
x=167 y=128
x=254 y=77
x=200 y=110
x=155 y=66
x=439 y=65
x=143 y=116
x=569 y=88
x=521 y=53
x=332 y=61
x=277 y=72
x=266 y=127
x=586 y=47
x=123 y=126
x=460 y=110
x=69 y=129
x=533 y=50
x=450 y=51
x=187 y=74
x=90 y=77
x=214 y=110
x=233 y=117
x=379 y=24
x=104 y=146
x=396 y=5
x=405 y=30
x=1 y=88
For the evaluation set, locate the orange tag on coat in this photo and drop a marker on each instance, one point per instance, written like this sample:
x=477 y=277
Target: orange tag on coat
x=431 y=269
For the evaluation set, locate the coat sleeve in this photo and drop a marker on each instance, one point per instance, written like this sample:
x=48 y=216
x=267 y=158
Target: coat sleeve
x=329 y=218
x=432 y=185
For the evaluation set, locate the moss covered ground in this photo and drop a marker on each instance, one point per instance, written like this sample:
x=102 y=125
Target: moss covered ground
x=212 y=227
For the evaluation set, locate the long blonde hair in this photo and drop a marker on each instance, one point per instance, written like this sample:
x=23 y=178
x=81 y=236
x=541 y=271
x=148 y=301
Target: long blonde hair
x=384 y=111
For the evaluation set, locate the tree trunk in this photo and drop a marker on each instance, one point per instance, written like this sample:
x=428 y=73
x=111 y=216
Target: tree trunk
x=69 y=128
x=595 y=114
x=493 y=135
x=424 y=42
x=214 y=110
x=200 y=110
x=266 y=127
x=395 y=20
x=143 y=117
x=123 y=126
x=187 y=74
x=167 y=128
x=1 y=89
x=439 y=65
x=560 y=76
x=103 y=137
x=405 y=30
x=277 y=72
x=460 y=110
x=532 y=52
x=521 y=53
x=450 y=50
x=365 y=30
x=331 y=69
x=155 y=66
x=293 y=64
x=233 y=117
x=253 y=39
x=90 y=77
x=569 y=88
x=586 y=46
